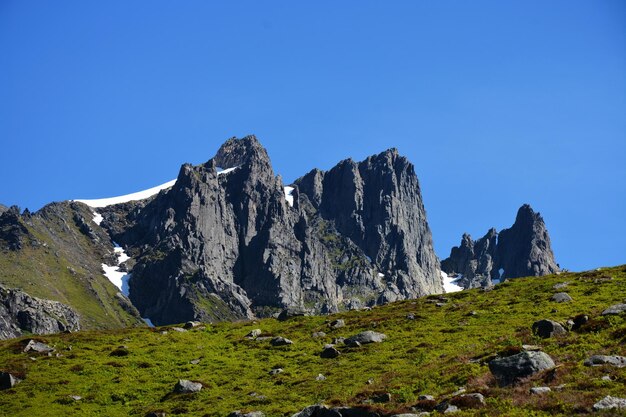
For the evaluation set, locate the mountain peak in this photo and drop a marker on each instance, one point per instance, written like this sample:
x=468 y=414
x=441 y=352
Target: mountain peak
x=236 y=152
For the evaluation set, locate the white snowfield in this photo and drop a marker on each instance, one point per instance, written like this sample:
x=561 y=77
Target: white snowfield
x=449 y=283
x=140 y=195
x=113 y=273
x=288 y=196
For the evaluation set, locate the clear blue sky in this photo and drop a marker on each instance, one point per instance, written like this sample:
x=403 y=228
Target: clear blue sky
x=496 y=103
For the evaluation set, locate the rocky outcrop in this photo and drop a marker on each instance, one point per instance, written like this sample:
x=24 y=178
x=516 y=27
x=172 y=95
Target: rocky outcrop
x=20 y=313
x=225 y=242
x=522 y=250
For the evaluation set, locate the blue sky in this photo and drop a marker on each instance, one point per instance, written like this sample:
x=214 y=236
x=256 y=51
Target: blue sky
x=496 y=103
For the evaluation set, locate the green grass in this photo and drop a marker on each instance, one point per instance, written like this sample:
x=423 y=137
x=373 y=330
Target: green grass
x=435 y=354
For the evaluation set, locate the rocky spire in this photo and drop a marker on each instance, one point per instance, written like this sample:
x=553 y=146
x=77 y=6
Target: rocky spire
x=522 y=250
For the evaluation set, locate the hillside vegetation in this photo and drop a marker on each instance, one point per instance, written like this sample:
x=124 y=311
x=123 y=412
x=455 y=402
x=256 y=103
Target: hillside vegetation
x=434 y=346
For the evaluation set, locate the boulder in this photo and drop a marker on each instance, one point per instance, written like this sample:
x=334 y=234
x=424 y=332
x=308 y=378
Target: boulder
x=510 y=369
x=366 y=337
x=254 y=333
x=317 y=410
x=329 y=352
x=472 y=400
x=184 y=386
x=39 y=347
x=280 y=341
x=561 y=297
x=250 y=414
x=598 y=360
x=381 y=398
x=191 y=325
x=276 y=371
x=317 y=335
x=539 y=390
x=335 y=324
x=8 y=380
x=610 y=403
x=615 y=309
x=548 y=328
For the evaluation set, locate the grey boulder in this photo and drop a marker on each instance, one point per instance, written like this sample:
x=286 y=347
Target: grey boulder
x=280 y=341
x=510 y=369
x=548 y=328
x=615 y=309
x=561 y=297
x=610 y=403
x=8 y=380
x=329 y=352
x=597 y=360
x=365 y=337
x=184 y=386
x=39 y=347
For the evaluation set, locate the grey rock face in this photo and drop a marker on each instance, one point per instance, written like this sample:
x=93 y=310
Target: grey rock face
x=509 y=369
x=366 y=337
x=228 y=245
x=548 y=328
x=597 y=360
x=19 y=313
x=610 y=403
x=522 y=250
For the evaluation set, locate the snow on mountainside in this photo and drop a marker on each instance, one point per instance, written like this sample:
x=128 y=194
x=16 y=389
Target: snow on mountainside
x=140 y=195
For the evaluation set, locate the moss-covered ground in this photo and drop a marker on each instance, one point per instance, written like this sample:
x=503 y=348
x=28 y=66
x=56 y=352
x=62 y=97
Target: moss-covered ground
x=441 y=349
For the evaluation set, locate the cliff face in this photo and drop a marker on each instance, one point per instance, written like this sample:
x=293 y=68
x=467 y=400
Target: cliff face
x=19 y=313
x=229 y=241
x=522 y=250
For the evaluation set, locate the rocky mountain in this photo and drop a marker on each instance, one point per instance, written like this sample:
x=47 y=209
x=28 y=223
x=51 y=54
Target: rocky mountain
x=51 y=273
x=230 y=241
x=522 y=250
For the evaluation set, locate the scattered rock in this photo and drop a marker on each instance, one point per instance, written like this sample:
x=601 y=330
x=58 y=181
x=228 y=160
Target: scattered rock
x=382 y=398
x=280 y=341
x=560 y=285
x=317 y=335
x=459 y=391
x=426 y=398
x=8 y=380
x=610 y=403
x=366 y=337
x=338 y=340
x=329 y=352
x=192 y=325
x=335 y=324
x=250 y=414
x=276 y=371
x=561 y=297
x=473 y=400
x=291 y=312
x=184 y=386
x=472 y=313
x=440 y=304
x=320 y=377
x=509 y=370
x=447 y=408
x=76 y=397
x=539 y=390
x=598 y=360
x=254 y=334
x=606 y=378
x=531 y=347
x=548 y=328
x=39 y=347
x=194 y=361
x=178 y=329
x=615 y=309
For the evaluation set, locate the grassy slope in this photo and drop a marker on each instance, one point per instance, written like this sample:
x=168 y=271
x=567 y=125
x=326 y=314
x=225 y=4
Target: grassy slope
x=433 y=354
x=65 y=267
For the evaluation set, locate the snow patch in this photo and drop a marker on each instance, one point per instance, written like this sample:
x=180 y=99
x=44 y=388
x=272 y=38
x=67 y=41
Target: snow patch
x=118 y=278
x=140 y=195
x=501 y=272
x=148 y=321
x=97 y=218
x=288 y=196
x=221 y=171
x=449 y=283
x=380 y=275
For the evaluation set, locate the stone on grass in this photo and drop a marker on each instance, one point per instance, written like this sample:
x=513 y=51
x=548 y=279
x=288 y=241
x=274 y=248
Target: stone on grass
x=329 y=352
x=472 y=400
x=548 y=328
x=560 y=285
x=539 y=390
x=317 y=335
x=320 y=377
x=615 y=309
x=8 y=380
x=598 y=360
x=250 y=414
x=280 y=341
x=254 y=333
x=191 y=325
x=39 y=347
x=610 y=403
x=510 y=369
x=366 y=337
x=426 y=398
x=382 y=398
x=335 y=324
x=276 y=371
x=184 y=386
x=561 y=297
x=178 y=329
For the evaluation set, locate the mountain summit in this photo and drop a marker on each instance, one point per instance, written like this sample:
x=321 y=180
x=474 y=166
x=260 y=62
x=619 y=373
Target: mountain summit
x=230 y=241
